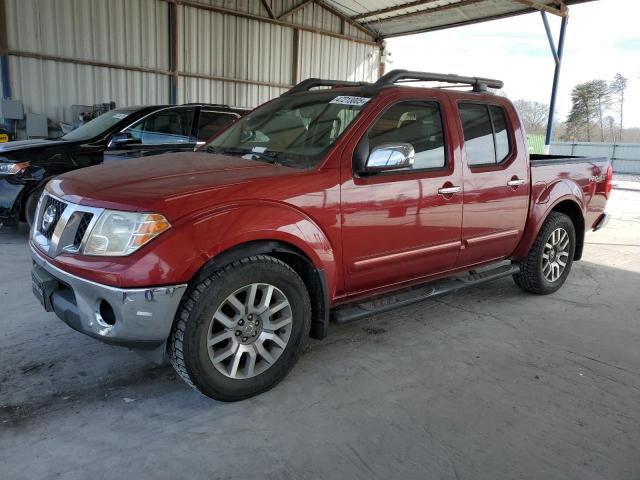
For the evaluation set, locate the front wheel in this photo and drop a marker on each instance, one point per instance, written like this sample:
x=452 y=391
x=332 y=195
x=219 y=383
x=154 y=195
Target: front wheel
x=549 y=261
x=240 y=331
x=31 y=204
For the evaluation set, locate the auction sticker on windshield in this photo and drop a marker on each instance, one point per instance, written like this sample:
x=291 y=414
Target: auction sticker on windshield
x=347 y=100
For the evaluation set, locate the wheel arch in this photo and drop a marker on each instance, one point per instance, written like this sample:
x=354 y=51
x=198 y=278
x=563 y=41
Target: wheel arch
x=567 y=204
x=572 y=210
x=313 y=277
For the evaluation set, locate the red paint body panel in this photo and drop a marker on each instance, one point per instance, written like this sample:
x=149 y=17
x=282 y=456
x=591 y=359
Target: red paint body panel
x=368 y=235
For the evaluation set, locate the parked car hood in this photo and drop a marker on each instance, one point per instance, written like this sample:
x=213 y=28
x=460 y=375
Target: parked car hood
x=173 y=184
x=28 y=144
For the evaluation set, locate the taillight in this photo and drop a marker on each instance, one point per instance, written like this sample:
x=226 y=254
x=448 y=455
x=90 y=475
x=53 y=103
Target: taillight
x=608 y=182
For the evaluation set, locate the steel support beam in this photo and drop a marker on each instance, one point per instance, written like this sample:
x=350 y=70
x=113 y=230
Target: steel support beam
x=557 y=56
x=561 y=11
x=282 y=23
x=4 y=53
x=295 y=54
x=267 y=7
x=173 y=53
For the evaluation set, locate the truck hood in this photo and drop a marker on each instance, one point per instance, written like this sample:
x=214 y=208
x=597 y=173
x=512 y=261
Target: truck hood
x=28 y=145
x=173 y=184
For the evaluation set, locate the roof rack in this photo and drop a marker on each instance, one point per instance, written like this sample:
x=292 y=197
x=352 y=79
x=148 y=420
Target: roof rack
x=404 y=76
x=217 y=105
x=310 y=83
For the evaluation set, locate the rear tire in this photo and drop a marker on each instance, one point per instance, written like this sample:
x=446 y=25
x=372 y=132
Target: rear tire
x=240 y=331
x=549 y=261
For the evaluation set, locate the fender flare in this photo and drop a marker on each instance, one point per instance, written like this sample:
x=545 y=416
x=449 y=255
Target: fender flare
x=549 y=199
x=275 y=229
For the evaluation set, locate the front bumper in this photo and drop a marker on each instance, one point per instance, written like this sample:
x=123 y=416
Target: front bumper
x=136 y=318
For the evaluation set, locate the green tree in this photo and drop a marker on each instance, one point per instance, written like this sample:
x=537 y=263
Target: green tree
x=582 y=111
x=618 y=89
x=602 y=99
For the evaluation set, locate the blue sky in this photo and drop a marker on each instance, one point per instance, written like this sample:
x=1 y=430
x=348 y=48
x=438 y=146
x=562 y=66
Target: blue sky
x=603 y=38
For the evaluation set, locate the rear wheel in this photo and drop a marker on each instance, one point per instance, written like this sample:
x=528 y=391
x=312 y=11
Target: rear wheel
x=241 y=330
x=549 y=261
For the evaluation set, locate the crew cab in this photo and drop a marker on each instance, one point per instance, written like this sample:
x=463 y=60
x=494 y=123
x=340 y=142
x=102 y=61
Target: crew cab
x=325 y=203
x=27 y=165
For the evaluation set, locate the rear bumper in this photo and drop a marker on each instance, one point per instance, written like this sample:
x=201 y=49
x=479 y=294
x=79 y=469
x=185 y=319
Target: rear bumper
x=602 y=222
x=137 y=318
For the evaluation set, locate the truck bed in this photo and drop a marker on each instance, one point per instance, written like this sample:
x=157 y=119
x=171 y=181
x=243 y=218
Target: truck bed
x=582 y=177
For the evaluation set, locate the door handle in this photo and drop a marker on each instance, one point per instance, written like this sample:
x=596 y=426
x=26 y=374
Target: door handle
x=516 y=182
x=449 y=190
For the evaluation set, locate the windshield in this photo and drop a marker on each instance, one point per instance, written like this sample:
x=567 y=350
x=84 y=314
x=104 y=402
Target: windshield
x=98 y=125
x=293 y=130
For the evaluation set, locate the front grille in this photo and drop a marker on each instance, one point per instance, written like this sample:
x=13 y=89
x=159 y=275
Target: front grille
x=82 y=228
x=71 y=221
x=51 y=213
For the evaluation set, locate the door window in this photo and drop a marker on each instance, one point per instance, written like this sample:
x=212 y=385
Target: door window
x=211 y=122
x=169 y=126
x=486 y=138
x=416 y=123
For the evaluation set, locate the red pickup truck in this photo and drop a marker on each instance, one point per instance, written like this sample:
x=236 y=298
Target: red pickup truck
x=325 y=203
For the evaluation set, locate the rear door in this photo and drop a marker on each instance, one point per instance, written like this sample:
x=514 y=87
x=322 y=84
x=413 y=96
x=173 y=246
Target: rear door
x=396 y=226
x=168 y=130
x=496 y=183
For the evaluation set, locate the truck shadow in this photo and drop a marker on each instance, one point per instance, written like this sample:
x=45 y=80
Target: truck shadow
x=36 y=383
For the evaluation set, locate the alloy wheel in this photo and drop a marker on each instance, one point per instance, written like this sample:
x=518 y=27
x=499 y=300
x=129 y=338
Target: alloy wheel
x=555 y=255
x=249 y=331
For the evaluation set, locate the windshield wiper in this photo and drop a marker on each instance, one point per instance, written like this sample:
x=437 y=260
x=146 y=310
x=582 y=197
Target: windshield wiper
x=268 y=157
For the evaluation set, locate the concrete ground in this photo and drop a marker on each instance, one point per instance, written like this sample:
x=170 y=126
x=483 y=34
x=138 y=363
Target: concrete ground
x=490 y=383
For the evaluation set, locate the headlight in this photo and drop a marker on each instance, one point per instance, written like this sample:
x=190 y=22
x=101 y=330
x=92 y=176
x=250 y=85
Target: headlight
x=122 y=233
x=13 y=168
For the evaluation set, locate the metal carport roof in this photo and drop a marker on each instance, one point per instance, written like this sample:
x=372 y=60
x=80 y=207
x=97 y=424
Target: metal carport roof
x=389 y=18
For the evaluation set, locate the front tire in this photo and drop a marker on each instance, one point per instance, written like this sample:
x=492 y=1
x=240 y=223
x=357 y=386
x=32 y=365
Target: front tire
x=240 y=330
x=549 y=261
x=31 y=204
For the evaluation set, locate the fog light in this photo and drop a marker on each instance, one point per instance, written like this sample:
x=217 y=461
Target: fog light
x=106 y=313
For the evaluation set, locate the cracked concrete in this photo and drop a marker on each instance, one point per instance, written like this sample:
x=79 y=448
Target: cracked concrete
x=489 y=383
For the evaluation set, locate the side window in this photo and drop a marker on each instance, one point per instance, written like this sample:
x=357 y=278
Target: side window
x=417 y=123
x=172 y=125
x=211 y=122
x=486 y=137
x=502 y=136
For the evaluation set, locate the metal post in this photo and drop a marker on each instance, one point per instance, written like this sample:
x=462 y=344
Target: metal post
x=4 y=53
x=557 y=56
x=173 y=53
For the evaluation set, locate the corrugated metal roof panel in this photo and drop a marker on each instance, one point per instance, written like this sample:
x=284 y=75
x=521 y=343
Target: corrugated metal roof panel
x=420 y=16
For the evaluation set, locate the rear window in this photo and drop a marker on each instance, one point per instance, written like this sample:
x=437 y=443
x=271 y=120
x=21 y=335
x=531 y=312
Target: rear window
x=486 y=135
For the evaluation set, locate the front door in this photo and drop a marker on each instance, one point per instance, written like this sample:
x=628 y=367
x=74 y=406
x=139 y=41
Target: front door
x=496 y=184
x=167 y=130
x=396 y=226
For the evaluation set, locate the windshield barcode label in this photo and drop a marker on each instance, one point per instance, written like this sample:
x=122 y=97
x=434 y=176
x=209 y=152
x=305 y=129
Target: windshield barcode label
x=346 y=100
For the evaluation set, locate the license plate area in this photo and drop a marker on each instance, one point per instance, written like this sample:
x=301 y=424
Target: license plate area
x=43 y=285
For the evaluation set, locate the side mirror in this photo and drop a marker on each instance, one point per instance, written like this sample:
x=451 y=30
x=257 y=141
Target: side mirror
x=122 y=139
x=390 y=156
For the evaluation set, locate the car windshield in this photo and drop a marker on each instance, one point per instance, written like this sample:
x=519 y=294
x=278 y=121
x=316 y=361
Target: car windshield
x=295 y=130
x=98 y=125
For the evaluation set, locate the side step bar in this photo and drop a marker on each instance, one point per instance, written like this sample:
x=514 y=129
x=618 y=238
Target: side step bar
x=408 y=296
